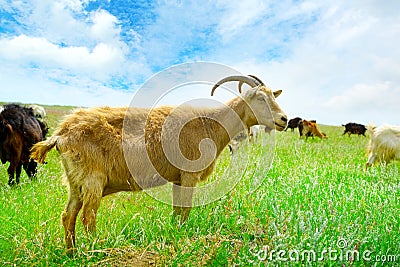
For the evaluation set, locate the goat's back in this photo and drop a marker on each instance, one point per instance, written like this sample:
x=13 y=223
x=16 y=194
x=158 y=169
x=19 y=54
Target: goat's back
x=386 y=134
x=385 y=142
x=175 y=136
x=90 y=141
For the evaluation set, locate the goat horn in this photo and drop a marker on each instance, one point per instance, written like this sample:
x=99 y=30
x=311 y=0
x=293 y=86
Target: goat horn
x=255 y=79
x=243 y=79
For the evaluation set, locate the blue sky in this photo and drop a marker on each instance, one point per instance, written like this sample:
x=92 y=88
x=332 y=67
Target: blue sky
x=337 y=61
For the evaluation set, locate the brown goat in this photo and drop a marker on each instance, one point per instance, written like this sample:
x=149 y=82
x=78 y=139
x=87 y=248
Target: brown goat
x=310 y=128
x=106 y=150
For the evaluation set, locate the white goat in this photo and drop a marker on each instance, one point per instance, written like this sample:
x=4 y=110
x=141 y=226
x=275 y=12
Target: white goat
x=252 y=134
x=39 y=111
x=258 y=129
x=102 y=154
x=384 y=144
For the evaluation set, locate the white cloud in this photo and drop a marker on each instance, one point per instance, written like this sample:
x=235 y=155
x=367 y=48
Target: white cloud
x=363 y=95
x=237 y=15
x=104 y=27
x=368 y=101
x=101 y=61
x=34 y=87
x=344 y=59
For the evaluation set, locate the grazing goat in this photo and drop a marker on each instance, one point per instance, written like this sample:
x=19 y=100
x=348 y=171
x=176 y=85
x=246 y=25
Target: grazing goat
x=19 y=130
x=92 y=148
x=234 y=144
x=253 y=133
x=39 y=111
x=293 y=123
x=310 y=128
x=300 y=125
x=384 y=144
x=354 y=128
x=258 y=129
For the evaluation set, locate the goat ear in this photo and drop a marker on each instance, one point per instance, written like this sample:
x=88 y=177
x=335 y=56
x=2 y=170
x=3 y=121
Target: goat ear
x=277 y=93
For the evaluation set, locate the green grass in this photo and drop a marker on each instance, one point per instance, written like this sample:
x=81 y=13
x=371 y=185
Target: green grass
x=315 y=195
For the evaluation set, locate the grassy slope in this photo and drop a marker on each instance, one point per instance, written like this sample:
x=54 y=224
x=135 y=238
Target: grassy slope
x=315 y=194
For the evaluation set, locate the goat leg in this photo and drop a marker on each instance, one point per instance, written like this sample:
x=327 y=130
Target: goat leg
x=18 y=172
x=69 y=215
x=10 y=177
x=183 y=195
x=30 y=168
x=11 y=170
x=92 y=193
x=370 y=162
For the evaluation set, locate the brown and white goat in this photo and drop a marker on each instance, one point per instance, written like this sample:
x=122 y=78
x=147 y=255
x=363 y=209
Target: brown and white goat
x=106 y=150
x=310 y=128
x=384 y=144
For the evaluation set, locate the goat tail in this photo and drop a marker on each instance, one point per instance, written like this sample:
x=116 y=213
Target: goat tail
x=371 y=128
x=39 y=150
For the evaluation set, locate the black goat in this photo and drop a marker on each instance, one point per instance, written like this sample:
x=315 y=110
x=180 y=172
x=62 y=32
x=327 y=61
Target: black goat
x=19 y=131
x=354 y=128
x=293 y=123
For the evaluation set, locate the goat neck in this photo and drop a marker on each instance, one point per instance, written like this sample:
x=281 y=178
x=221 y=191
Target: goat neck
x=231 y=119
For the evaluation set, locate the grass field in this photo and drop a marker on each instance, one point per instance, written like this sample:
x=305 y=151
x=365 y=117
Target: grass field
x=315 y=207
